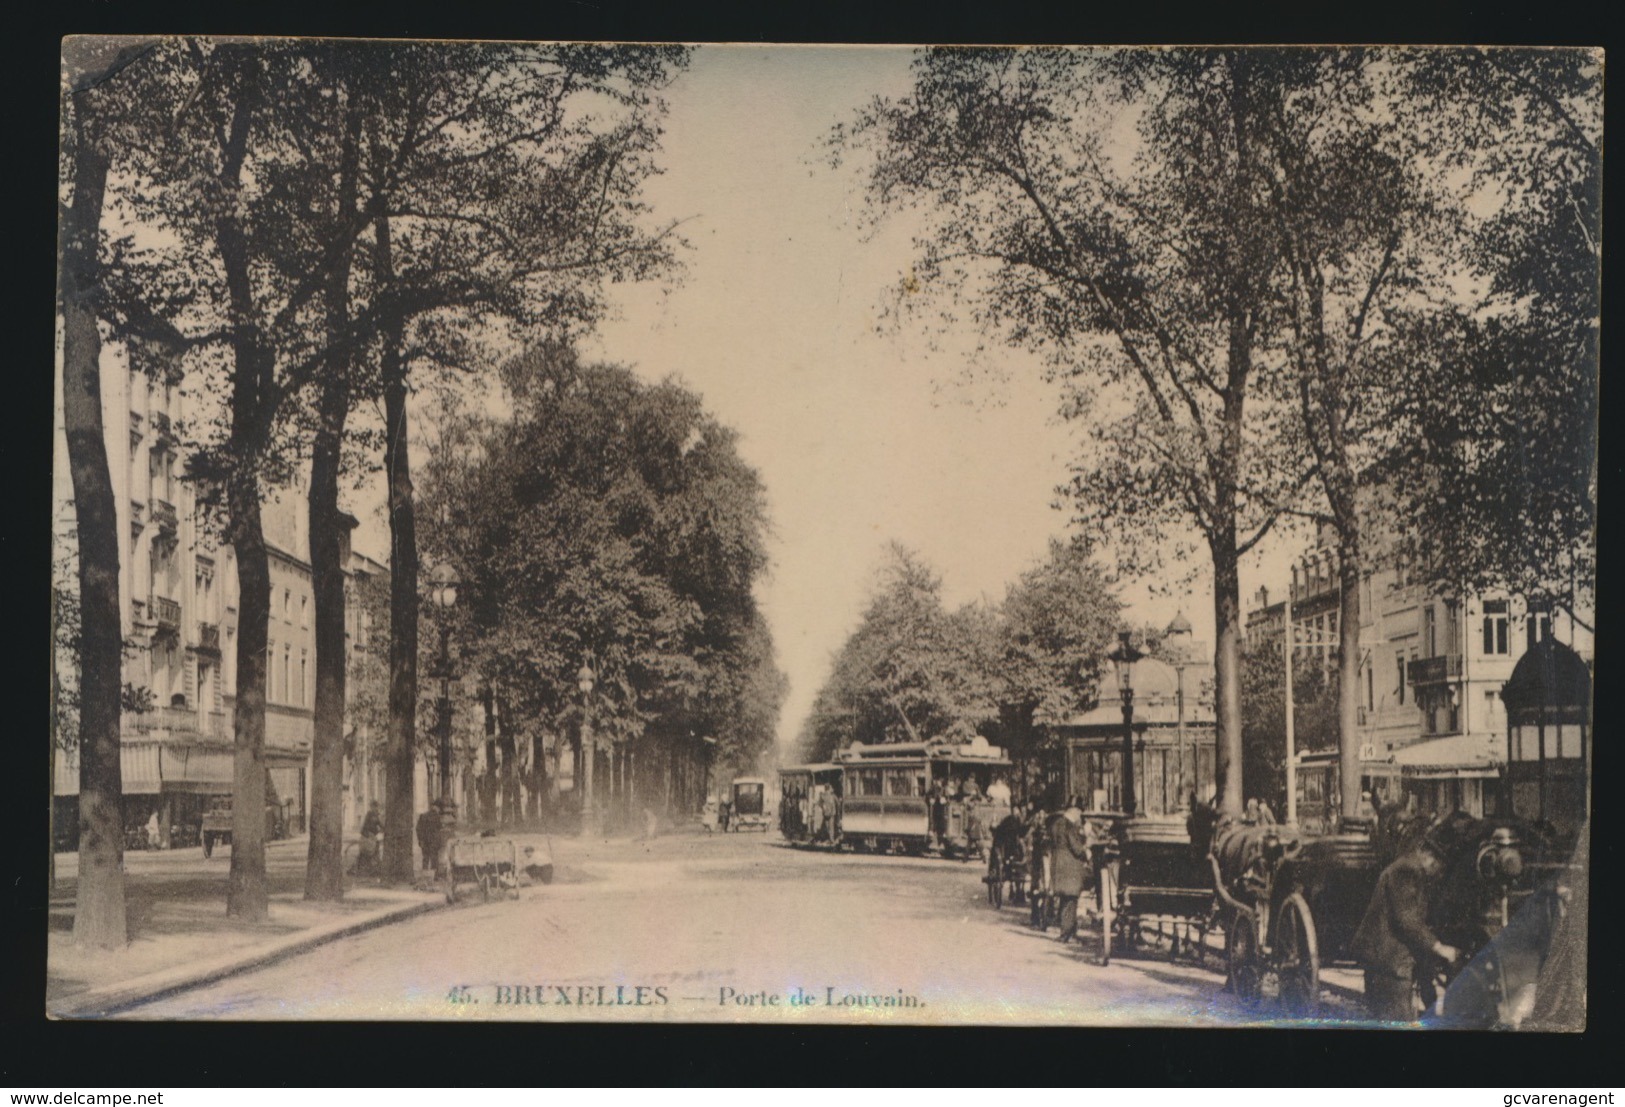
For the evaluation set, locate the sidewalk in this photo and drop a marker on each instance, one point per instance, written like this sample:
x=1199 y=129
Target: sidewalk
x=181 y=936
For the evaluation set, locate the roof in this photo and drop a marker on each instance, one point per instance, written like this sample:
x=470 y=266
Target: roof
x=1156 y=697
x=1180 y=625
x=1551 y=674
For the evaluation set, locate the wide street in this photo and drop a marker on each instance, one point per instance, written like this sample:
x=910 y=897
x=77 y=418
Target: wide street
x=694 y=927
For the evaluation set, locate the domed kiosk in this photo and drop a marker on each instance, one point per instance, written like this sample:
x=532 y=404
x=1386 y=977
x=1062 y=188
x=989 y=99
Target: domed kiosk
x=1548 y=705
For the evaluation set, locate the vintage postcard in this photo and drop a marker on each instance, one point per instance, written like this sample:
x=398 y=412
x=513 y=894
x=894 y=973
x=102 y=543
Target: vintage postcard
x=824 y=534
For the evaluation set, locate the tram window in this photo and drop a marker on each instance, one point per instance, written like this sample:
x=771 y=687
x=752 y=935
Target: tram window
x=867 y=782
x=900 y=782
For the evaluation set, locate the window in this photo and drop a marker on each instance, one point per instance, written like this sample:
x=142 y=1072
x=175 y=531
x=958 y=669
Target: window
x=1370 y=688
x=900 y=782
x=304 y=611
x=1430 y=636
x=287 y=603
x=1495 y=627
x=1537 y=625
x=1399 y=658
x=287 y=667
x=866 y=782
x=304 y=676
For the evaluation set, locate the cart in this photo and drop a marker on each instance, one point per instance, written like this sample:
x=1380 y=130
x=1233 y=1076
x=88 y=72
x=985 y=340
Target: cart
x=1258 y=875
x=1152 y=886
x=490 y=865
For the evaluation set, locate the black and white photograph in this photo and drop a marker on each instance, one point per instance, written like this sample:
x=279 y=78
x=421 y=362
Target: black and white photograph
x=859 y=535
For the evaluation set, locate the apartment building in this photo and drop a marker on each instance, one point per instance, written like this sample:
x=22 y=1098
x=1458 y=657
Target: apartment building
x=179 y=617
x=1431 y=721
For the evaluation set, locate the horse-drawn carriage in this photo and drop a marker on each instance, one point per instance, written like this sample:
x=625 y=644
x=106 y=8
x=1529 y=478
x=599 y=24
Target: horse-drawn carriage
x=1151 y=885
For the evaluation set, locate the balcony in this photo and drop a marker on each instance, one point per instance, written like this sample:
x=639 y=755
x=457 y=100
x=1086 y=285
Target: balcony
x=168 y=614
x=163 y=434
x=1434 y=670
x=138 y=515
x=208 y=638
x=164 y=515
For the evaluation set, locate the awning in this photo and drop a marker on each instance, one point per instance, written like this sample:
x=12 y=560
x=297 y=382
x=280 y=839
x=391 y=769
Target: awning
x=1454 y=757
x=138 y=767
x=200 y=769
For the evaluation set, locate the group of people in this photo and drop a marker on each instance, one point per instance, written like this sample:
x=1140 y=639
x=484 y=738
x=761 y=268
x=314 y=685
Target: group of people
x=1058 y=845
x=813 y=813
x=434 y=828
x=964 y=789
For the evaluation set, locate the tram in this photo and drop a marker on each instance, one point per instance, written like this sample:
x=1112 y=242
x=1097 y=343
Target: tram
x=902 y=797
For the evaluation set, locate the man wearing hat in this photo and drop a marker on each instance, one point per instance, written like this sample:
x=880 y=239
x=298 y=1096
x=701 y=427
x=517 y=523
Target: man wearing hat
x=1394 y=938
x=1071 y=850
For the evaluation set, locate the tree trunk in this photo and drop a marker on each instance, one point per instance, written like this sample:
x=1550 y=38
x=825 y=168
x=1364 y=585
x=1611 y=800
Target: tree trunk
x=99 y=918
x=251 y=379
x=1227 y=678
x=403 y=589
x=324 y=872
x=246 y=894
x=324 y=869
x=1348 y=674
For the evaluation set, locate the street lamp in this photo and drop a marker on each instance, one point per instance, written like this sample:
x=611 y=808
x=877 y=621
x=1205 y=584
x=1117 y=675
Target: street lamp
x=443 y=592
x=1124 y=657
x=585 y=680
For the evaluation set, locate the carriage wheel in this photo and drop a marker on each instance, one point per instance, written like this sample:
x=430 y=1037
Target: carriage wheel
x=995 y=884
x=1242 y=961
x=1108 y=913
x=1297 y=958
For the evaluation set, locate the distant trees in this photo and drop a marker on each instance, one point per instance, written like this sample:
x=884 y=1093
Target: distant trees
x=610 y=523
x=913 y=671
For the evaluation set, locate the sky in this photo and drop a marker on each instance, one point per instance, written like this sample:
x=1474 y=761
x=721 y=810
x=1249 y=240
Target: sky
x=862 y=435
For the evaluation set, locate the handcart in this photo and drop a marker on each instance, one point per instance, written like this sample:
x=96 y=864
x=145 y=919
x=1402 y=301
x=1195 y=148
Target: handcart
x=490 y=865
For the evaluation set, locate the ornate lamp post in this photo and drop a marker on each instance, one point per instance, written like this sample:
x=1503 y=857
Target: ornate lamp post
x=443 y=592
x=1124 y=657
x=585 y=680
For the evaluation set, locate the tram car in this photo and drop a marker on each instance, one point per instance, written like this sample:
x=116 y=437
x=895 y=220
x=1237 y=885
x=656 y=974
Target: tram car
x=749 y=800
x=914 y=797
x=802 y=821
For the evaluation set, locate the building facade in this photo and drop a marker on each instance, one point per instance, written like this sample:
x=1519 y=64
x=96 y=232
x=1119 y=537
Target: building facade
x=179 y=619
x=1431 y=724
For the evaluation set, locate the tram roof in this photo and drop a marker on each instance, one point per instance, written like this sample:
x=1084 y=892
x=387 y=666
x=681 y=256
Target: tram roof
x=975 y=750
x=820 y=767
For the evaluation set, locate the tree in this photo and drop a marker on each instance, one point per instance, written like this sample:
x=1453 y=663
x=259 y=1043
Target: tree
x=610 y=523
x=911 y=671
x=1502 y=458
x=1059 y=622
x=89 y=66
x=505 y=180
x=1142 y=265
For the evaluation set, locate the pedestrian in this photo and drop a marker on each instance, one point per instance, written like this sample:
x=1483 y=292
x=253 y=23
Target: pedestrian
x=1394 y=943
x=827 y=813
x=708 y=815
x=651 y=824
x=1037 y=861
x=372 y=830
x=998 y=792
x=1072 y=867
x=1368 y=810
x=152 y=831
x=428 y=828
x=724 y=812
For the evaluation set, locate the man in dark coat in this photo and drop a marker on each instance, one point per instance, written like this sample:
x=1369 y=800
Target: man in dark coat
x=1394 y=940
x=1072 y=870
x=428 y=829
x=1037 y=847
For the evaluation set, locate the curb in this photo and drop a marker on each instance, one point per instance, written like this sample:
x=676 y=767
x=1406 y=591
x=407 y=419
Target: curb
x=111 y=999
